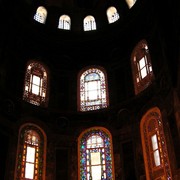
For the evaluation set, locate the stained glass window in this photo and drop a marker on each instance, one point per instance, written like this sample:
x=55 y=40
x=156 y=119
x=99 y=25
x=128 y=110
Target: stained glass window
x=31 y=154
x=36 y=81
x=64 y=22
x=93 y=89
x=112 y=14
x=89 y=23
x=141 y=67
x=154 y=146
x=95 y=155
x=41 y=15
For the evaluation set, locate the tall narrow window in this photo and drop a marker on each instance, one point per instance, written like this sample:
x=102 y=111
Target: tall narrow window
x=95 y=154
x=35 y=90
x=154 y=146
x=41 y=15
x=130 y=3
x=89 y=23
x=31 y=153
x=141 y=67
x=112 y=14
x=64 y=22
x=93 y=93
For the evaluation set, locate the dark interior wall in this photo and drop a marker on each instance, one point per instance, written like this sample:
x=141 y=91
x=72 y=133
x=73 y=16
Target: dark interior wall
x=62 y=164
x=3 y=155
x=128 y=161
x=63 y=77
x=175 y=138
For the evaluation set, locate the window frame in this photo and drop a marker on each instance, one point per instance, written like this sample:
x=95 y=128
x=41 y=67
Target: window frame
x=62 y=22
x=89 y=25
x=35 y=68
x=151 y=124
x=22 y=149
x=112 y=17
x=81 y=90
x=139 y=52
x=41 y=15
x=108 y=149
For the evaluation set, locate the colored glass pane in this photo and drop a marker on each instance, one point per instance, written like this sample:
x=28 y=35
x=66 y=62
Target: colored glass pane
x=154 y=146
x=35 y=89
x=95 y=156
x=93 y=90
x=30 y=150
x=141 y=67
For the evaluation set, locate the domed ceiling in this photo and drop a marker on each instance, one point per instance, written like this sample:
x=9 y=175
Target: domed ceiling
x=116 y=40
x=66 y=52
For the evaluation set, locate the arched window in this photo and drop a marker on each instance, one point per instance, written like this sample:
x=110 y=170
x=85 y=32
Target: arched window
x=112 y=14
x=89 y=23
x=41 y=15
x=130 y=3
x=141 y=67
x=36 y=83
x=93 y=90
x=95 y=152
x=154 y=146
x=64 y=22
x=31 y=158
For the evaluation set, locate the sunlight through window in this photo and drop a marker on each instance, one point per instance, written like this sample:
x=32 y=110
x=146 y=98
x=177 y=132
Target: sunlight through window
x=141 y=67
x=29 y=172
x=36 y=81
x=155 y=149
x=30 y=154
x=36 y=85
x=130 y=3
x=64 y=22
x=41 y=15
x=89 y=23
x=154 y=145
x=112 y=14
x=93 y=90
x=31 y=157
x=95 y=156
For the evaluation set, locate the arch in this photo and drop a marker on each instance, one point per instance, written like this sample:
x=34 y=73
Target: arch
x=130 y=3
x=155 y=152
x=64 y=22
x=41 y=15
x=36 y=84
x=141 y=66
x=31 y=153
x=112 y=14
x=92 y=89
x=89 y=23
x=95 y=154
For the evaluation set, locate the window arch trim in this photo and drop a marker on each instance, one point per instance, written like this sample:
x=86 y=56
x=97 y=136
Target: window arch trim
x=41 y=15
x=79 y=87
x=112 y=14
x=20 y=146
x=64 y=22
x=89 y=23
x=142 y=71
x=82 y=140
x=151 y=115
x=40 y=96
